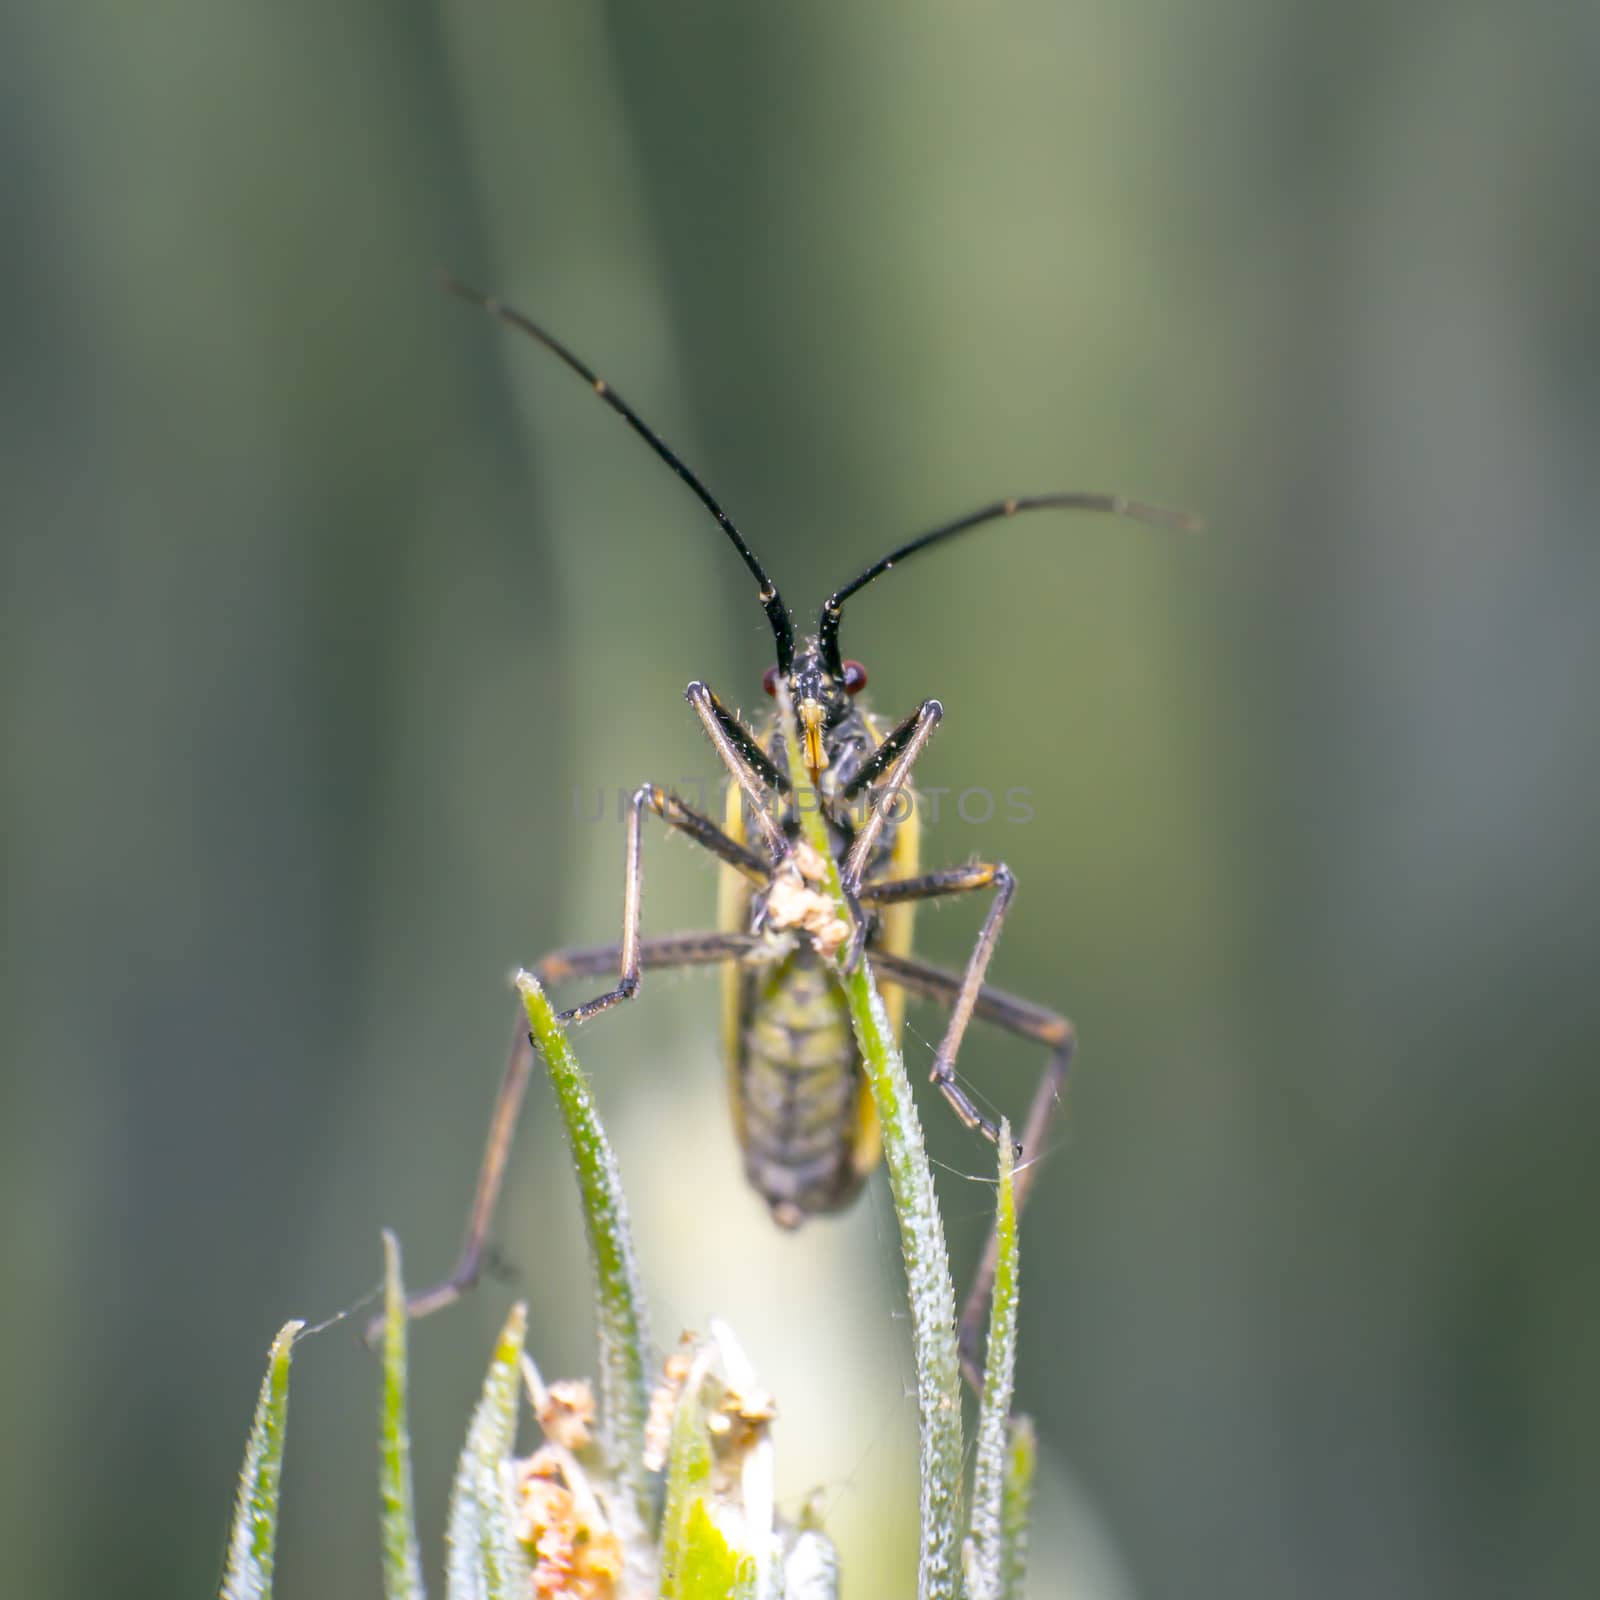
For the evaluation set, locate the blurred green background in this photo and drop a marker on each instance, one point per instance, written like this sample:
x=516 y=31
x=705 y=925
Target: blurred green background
x=322 y=596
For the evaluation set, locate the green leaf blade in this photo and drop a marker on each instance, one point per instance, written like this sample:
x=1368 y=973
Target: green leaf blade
x=711 y=1568
x=986 y=1566
x=1022 y=1458
x=929 y=1287
x=484 y=1561
x=402 y=1563
x=699 y=1560
x=621 y=1318
x=252 y=1543
x=927 y=1262
x=688 y=1479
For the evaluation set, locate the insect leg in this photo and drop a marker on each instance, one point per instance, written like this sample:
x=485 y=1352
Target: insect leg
x=665 y=950
x=752 y=768
x=911 y=736
x=672 y=950
x=952 y=880
x=704 y=832
x=958 y=880
x=1029 y=1022
x=877 y=763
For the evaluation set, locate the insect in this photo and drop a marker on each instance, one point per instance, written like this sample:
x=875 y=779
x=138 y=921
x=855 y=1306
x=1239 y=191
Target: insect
x=801 y=1111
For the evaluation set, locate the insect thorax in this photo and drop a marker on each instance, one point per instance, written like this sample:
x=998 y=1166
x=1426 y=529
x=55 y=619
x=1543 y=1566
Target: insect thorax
x=849 y=742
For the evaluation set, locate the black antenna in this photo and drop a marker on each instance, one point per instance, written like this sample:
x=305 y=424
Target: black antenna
x=1112 y=504
x=777 y=614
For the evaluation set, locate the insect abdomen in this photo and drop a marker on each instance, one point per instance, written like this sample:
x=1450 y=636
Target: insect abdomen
x=800 y=1092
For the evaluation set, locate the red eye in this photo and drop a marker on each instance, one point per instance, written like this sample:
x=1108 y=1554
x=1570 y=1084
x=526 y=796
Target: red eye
x=855 y=677
x=769 y=681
